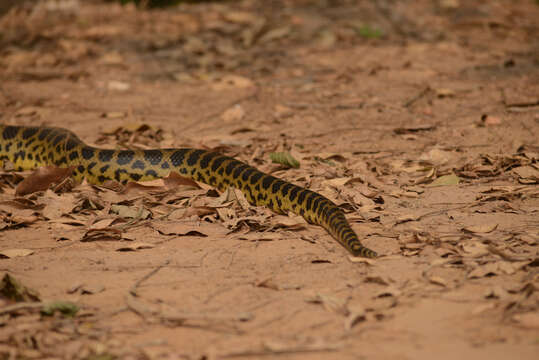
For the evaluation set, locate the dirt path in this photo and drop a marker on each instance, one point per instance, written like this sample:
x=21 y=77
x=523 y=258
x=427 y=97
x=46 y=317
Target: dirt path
x=420 y=118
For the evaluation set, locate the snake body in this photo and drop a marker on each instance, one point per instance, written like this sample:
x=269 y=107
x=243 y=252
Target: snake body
x=31 y=147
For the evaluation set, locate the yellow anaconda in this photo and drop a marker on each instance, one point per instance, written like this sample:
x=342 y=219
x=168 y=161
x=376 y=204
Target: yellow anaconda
x=31 y=147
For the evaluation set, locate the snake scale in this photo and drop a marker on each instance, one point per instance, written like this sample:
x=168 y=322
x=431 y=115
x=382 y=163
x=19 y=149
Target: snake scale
x=31 y=147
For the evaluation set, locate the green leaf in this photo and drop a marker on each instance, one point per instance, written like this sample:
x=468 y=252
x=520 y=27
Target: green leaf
x=65 y=307
x=369 y=32
x=446 y=180
x=284 y=158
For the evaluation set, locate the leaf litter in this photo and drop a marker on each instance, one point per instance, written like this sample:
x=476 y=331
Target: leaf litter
x=431 y=176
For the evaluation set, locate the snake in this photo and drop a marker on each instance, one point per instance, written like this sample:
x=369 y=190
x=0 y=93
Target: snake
x=29 y=147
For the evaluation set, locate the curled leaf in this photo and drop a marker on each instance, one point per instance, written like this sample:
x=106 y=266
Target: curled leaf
x=284 y=158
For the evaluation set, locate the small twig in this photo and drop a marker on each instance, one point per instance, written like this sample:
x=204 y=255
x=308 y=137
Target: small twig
x=20 y=306
x=291 y=350
x=422 y=93
x=133 y=289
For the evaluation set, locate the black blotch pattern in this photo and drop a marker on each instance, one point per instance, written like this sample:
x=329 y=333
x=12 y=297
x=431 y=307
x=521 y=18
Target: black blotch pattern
x=231 y=166
x=28 y=133
x=74 y=155
x=332 y=212
x=277 y=185
x=135 y=177
x=267 y=181
x=70 y=144
x=10 y=132
x=302 y=195
x=206 y=159
x=177 y=157
x=58 y=138
x=239 y=170
x=217 y=162
x=151 y=173
x=104 y=168
x=294 y=193
x=125 y=157
x=310 y=197
x=87 y=153
x=91 y=165
x=194 y=156
x=254 y=179
x=154 y=157
x=105 y=155
x=102 y=178
x=63 y=160
x=138 y=164
x=165 y=165
x=285 y=188
x=19 y=154
x=117 y=174
x=247 y=173
x=43 y=134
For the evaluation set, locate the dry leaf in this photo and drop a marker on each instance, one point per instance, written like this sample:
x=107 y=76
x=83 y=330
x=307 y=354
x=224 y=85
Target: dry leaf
x=484 y=270
x=357 y=259
x=528 y=320
x=42 y=178
x=438 y=280
x=130 y=212
x=329 y=302
x=446 y=180
x=109 y=234
x=268 y=283
x=136 y=246
x=480 y=229
x=356 y=314
x=13 y=253
x=233 y=114
x=190 y=228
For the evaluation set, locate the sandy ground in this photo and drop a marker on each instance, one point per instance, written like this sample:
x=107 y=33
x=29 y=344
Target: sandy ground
x=421 y=118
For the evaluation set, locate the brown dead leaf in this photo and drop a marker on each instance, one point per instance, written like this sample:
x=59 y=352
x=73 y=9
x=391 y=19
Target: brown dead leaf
x=108 y=234
x=489 y=269
x=268 y=283
x=414 y=129
x=234 y=114
x=130 y=212
x=233 y=82
x=356 y=314
x=407 y=217
x=390 y=291
x=330 y=303
x=42 y=178
x=13 y=253
x=479 y=309
x=528 y=320
x=480 y=228
x=475 y=249
x=291 y=222
x=189 y=228
x=489 y=120
x=136 y=246
x=357 y=259
x=437 y=280
x=57 y=205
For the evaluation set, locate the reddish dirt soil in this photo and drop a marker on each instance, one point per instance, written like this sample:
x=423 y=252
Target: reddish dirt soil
x=421 y=118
